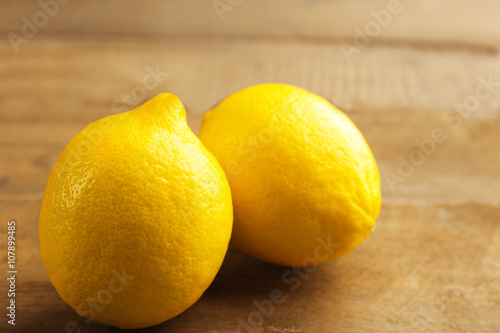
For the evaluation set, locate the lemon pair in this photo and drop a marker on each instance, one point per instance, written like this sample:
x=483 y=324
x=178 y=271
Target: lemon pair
x=138 y=212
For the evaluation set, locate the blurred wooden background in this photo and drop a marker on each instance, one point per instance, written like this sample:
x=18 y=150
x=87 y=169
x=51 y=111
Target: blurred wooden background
x=433 y=263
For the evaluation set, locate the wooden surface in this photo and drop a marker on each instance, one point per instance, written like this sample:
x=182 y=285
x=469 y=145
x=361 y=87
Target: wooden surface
x=433 y=262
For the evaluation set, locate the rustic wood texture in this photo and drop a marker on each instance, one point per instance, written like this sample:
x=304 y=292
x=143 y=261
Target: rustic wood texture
x=433 y=262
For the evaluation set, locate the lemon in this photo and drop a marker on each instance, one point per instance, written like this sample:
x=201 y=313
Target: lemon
x=304 y=183
x=136 y=217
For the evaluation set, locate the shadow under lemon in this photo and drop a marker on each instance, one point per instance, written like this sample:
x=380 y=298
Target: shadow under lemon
x=247 y=292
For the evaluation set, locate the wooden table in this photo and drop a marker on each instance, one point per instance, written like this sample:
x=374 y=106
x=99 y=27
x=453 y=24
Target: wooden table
x=433 y=263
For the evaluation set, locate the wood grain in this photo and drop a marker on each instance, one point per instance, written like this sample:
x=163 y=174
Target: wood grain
x=433 y=262
x=394 y=96
x=427 y=267
x=451 y=22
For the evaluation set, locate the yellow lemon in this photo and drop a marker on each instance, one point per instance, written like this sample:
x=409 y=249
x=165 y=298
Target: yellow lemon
x=136 y=217
x=304 y=183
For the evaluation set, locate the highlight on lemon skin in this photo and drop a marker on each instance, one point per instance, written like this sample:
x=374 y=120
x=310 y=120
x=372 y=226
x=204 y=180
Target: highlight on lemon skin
x=299 y=171
x=136 y=217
